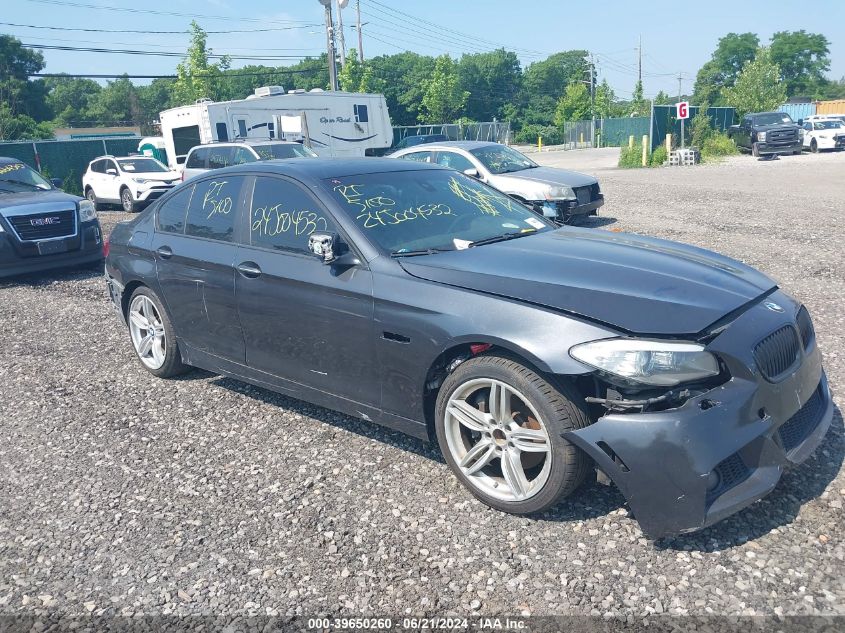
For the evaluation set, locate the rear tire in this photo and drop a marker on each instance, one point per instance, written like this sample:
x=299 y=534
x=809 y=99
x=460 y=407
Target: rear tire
x=92 y=197
x=152 y=335
x=510 y=455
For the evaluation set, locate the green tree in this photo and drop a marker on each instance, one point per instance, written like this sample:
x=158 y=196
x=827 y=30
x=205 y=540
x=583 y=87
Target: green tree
x=21 y=126
x=196 y=77
x=639 y=105
x=70 y=99
x=661 y=98
x=404 y=78
x=118 y=103
x=574 y=105
x=18 y=94
x=545 y=82
x=758 y=87
x=493 y=80
x=605 y=102
x=443 y=100
x=803 y=59
x=732 y=52
x=358 y=77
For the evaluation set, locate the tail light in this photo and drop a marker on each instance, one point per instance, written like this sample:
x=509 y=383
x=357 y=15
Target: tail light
x=106 y=247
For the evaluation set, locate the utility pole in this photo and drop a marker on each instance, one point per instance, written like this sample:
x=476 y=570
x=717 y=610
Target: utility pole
x=640 y=61
x=360 y=36
x=680 y=90
x=330 y=44
x=592 y=102
x=340 y=5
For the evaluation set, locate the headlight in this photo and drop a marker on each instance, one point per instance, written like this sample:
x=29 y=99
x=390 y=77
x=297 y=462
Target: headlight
x=560 y=192
x=658 y=363
x=141 y=181
x=761 y=136
x=86 y=211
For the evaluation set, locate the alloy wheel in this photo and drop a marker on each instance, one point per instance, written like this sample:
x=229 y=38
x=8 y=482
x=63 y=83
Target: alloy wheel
x=147 y=332
x=126 y=199
x=498 y=440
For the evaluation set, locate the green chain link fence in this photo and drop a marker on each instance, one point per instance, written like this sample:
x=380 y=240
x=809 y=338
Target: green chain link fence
x=67 y=160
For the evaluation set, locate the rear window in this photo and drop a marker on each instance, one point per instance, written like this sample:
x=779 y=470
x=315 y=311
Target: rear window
x=283 y=150
x=197 y=159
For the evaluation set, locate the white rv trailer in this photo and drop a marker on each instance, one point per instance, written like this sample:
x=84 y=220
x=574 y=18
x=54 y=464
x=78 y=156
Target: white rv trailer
x=342 y=124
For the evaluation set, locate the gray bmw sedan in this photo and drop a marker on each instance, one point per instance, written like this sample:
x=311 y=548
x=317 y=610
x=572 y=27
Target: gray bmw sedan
x=416 y=297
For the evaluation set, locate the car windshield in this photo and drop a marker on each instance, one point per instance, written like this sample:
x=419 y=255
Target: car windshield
x=772 y=118
x=414 y=212
x=500 y=159
x=16 y=177
x=827 y=125
x=283 y=150
x=141 y=165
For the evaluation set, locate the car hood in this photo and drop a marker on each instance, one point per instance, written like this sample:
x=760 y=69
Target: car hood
x=549 y=176
x=637 y=284
x=775 y=126
x=157 y=176
x=26 y=200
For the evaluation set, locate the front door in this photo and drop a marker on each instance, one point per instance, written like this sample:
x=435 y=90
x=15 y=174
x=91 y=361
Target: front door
x=303 y=321
x=111 y=181
x=195 y=250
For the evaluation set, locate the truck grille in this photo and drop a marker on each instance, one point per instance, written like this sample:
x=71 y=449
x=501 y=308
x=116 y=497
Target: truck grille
x=798 y=428
x=782 y=135
x=777 y=353
x=44 y=226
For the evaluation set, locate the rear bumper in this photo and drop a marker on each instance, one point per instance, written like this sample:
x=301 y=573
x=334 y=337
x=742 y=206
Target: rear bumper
x=19 y=258
x=686 y=468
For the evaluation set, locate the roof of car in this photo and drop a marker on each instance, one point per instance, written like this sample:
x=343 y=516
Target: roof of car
x=321 y=168
x=465 y=145
x=246 y=141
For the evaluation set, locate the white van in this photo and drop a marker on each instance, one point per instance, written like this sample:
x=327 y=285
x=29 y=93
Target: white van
x=343 y=124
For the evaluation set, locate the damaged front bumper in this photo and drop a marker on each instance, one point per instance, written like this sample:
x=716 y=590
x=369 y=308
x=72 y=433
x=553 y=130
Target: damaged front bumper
x=686 y=468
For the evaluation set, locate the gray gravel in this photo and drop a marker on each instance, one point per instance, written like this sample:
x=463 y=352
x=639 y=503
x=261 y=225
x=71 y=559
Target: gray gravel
x=124 y=494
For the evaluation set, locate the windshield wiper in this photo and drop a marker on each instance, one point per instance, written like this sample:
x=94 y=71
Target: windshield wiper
x=21 y=182
x=422 y=251
x=504 y=237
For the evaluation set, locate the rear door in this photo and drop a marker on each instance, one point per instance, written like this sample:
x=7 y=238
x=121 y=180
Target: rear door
x=194 y=246
x=304 y=321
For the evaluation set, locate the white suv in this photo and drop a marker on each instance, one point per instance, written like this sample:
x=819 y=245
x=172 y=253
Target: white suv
x=202 y=158
x=132 y=182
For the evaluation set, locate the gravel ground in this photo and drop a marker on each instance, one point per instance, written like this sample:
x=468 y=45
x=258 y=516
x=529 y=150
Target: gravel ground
x=124 y=494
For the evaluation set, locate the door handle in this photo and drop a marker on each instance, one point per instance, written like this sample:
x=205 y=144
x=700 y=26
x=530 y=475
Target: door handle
x=165 y=252
x=249 y=270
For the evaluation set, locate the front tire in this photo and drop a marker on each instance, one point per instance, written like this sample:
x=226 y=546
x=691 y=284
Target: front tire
x=814 y=146
x=499 y=426
x=755 y=150
x=152 y=335
x=126 y=201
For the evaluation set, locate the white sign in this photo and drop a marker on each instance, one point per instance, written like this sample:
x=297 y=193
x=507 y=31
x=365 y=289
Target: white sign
x=683 y=109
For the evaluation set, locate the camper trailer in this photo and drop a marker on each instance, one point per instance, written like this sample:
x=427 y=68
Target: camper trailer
x=342 y=124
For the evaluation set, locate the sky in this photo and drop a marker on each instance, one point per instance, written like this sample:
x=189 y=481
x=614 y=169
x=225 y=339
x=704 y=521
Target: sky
x=677 y=37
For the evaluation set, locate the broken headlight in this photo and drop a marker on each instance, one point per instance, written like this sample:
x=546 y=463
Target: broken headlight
x=656 y=363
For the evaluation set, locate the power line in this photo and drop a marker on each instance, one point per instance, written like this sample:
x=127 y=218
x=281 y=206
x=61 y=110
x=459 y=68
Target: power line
x=309 y=51
x=276 y=71
x=110 y=51
x=81 y=5
x=149 y=32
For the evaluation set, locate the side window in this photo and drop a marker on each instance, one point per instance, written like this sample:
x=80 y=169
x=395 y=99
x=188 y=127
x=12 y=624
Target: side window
x=454 y=160
x=222 y=132
x=420 y=157
x=242 y=155
x=171 y=214
x=242 y=128
x=283 y=215
x=110 y=164
x=220 y=157
x=212 y=211
x=361 y=114
x=197 y=158
x=808 y=126
x=97 y=167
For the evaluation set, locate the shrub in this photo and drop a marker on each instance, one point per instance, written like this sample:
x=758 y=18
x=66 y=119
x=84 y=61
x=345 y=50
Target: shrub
x=529 y=133
x=630 y=157
x=717 y=145
x=71 y=184
x=658 y=157
x=702 y=128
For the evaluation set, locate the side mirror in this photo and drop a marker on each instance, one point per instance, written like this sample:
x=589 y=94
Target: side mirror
x=472 y=172
x=111 y=172
x=56 y=182
x=323 y=246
